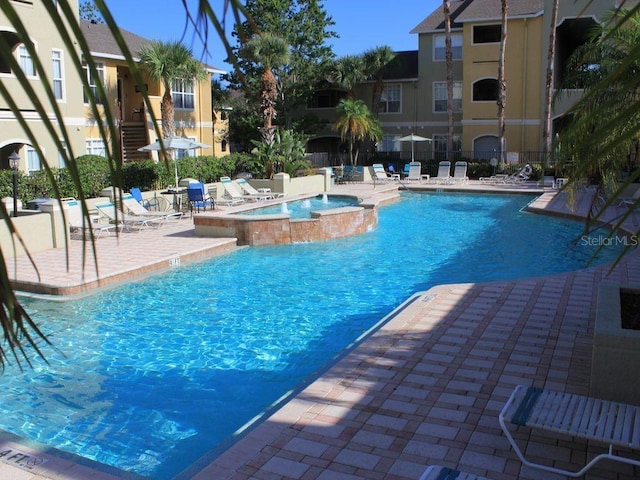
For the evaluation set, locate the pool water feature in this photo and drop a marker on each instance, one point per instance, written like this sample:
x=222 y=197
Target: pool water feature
x=163 y=371
x=303 y=208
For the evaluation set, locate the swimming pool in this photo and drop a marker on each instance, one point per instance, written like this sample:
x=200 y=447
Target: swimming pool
x=161 y=372
x=303 y=208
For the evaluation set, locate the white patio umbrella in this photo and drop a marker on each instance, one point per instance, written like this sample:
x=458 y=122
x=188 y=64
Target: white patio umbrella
x=413 y=138
x=173 y=144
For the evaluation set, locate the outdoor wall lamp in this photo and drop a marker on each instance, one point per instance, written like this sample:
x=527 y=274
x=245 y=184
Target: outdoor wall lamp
x=14 y=163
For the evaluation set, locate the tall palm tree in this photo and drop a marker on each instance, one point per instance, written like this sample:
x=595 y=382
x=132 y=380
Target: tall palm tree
x=168 y=62
x=446 y=6
x=549 y=81
x=502 y=85
x=271 y=51
x=374 y=62
x=355 y=123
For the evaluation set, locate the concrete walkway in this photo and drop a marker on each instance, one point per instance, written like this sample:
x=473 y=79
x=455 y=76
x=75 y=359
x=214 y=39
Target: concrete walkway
x=427 y=387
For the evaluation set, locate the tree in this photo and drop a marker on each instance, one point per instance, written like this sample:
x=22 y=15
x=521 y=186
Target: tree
x=346 y=72
x=446 y=6
x=549 y=81
x=89 y=12
x=355 y=123
x=305 y=27
x=602 y=136
x=502 y=85
x=169 y=62
x=374 y=62
x=271 y=52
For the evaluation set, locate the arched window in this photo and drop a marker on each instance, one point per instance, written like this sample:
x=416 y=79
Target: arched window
x=485 y=90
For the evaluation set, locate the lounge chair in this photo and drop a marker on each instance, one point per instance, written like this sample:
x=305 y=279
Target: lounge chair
x=353 y=173
x=79 y=223
x=126 y=221
x=137 y=209
x=628 y=202
x=197 y=198
x=231 y=191
x=591 y=419
x=460 y=173
x=415 y=172
x=248 y=189
x=437 y=472
x=379 y=173
x=444 y=173
x=521 y=175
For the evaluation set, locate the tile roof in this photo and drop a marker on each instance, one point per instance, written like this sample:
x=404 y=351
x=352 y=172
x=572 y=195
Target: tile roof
x=474 y=10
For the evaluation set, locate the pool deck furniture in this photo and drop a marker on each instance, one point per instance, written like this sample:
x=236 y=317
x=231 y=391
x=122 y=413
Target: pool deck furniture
x=127 y=222
x=614 y=424
x=248 y=189
x=231 y=191
x=78 y=224
x=137 y=209
x=444 y=174
x=460 y=173
x=438 y=472
x=380 y=175
x=198 y=199
x=415 y=172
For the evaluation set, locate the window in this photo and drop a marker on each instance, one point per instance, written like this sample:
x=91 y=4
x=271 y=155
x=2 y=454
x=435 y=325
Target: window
x=183 y=94
x=485 y=90
x=93 y=82
x=26 y=64
x=56 y=76
x=95 y=146
x=487 y=33
x=61 y=155
x=390 y=99
x=33 y=159
x=440 y=48
x=389 y=143
x=440 y=96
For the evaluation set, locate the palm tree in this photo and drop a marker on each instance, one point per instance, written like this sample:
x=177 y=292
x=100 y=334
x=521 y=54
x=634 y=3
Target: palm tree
x=446 y=6
x=502 y=85
x=346 y=72
x=355 y=123
x=549 y=80
x=168 y=62
x=271 y=51
x=374 y=62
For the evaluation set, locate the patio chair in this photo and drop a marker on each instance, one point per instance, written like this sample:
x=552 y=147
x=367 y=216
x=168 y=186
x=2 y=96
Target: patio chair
x=415 y=172
x=79 y=223
x=126 y=221
x=231 y=191
x=197 y=198
x=438 y=472
x=248 y=189
x=444 y=173
x=137 y=209
x=460 y=172
x=155 y=202
x=379 y=173
x=405 y=171
x=587 y=418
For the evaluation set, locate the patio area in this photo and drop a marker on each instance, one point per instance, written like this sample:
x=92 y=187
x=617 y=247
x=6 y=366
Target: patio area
x=426 y=388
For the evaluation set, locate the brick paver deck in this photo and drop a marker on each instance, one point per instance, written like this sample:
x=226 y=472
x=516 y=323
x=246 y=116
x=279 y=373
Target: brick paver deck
x=427 y=388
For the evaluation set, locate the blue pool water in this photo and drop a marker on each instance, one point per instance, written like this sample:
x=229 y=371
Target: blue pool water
x=303 y=208
x=163 y=371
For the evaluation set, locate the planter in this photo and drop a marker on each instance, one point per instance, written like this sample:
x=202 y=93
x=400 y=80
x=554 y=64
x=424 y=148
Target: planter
x=615 y=368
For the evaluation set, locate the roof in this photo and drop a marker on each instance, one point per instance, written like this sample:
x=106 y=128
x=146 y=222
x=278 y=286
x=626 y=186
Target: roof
x=478 y=10
x=103 y=44
x=404 y=65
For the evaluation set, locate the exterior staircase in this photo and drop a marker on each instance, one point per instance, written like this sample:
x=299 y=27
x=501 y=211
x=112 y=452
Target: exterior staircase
x=133 y=136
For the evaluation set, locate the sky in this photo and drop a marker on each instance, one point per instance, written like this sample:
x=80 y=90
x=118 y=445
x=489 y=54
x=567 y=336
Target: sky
x=360 y=24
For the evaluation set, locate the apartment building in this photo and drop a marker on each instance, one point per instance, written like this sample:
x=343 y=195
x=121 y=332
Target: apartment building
x=416 y=101
x=194 y=117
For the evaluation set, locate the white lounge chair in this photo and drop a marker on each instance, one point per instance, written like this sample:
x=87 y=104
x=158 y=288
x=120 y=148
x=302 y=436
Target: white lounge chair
x=444 y=173
x=128 y=222
x=248 y=189
x=415 y=172
x=611 y=423
x=438 y=472
x=231 y=191
x=460 y=172
x=137 y=209
x=81 y=224
x=380 y=174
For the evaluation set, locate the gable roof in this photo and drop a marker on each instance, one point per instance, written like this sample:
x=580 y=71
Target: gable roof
x=102 y=43
x=478 y=10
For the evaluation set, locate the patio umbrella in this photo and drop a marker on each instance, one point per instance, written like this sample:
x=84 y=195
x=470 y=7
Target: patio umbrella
x=173 y=144
x=413 y=138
